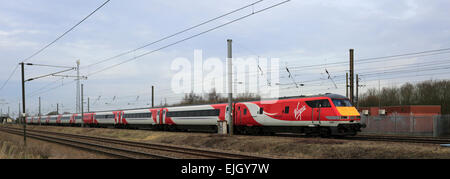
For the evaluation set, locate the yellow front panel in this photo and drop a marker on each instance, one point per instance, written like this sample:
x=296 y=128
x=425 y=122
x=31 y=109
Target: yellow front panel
x=348 y=111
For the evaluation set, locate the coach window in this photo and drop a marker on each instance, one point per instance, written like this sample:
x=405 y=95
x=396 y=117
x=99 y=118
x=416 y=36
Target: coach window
x=245 y=111
x=286 y=109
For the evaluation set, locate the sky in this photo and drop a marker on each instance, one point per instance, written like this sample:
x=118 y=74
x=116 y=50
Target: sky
x=299 y=33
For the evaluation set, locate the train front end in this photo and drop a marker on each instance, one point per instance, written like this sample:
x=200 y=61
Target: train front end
x=349 y=117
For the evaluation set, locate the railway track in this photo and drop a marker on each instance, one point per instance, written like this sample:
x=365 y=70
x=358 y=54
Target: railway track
x=409 y=139
x=386 y=138
x=127 y=149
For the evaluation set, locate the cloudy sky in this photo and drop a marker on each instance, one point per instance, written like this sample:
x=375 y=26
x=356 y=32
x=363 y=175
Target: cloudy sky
x=300 y=33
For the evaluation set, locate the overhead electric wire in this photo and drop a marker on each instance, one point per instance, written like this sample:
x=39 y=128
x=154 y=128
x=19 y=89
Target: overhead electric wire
x=44 y=87
x=406 y=54
x=376 y=77
x=53 y=88
x=175 y=96
x=365 y=61
x=190 y=37
x=408 y=69
x=397 y=77
x=73 y=27
x=410 y=81
x=433 y=62
x=180 y=33
x=54 y=66
x=134 y=58
x=368 y=60
x=338 y=62
x=9 y=78
x=391 y=71
x=51 y=43
x=172 y=35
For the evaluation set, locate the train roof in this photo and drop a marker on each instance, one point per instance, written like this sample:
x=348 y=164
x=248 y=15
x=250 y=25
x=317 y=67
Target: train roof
x=330 y=95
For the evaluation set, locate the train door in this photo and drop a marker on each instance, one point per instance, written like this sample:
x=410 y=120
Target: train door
x=315 y=110
x=163 y=116
x=119 y=115
x=160 y=115
x=319 y=107
x=152 y=116
x=227 y=108
x=317 y=115
x=238 y=110
x=156 y=117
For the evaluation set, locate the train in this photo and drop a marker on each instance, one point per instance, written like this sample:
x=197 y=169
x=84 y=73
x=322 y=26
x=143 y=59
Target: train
x=319 y=115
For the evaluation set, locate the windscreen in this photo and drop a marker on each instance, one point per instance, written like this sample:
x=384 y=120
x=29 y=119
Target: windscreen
x=341 y=102
x=324 y=103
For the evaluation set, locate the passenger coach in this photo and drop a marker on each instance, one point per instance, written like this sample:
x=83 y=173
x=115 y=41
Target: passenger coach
x=324 y=115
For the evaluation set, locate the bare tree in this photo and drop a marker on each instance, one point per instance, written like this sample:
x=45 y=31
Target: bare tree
x=424 y=93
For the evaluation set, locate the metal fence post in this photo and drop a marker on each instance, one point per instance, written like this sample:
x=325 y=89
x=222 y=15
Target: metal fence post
x=395 y=123
x=411 y=124
x=435 y=126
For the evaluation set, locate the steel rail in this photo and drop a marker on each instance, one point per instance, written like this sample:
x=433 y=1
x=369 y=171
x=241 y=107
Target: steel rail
x=166 y=148
x=400 y=139
x=113 y=151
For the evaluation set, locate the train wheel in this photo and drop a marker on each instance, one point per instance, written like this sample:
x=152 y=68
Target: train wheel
x=353 y=133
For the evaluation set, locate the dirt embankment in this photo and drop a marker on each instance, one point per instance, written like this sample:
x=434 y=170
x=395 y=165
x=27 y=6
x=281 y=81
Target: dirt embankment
x=291 y=147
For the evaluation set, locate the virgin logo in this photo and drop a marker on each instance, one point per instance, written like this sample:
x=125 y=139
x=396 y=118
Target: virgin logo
x=298 y=112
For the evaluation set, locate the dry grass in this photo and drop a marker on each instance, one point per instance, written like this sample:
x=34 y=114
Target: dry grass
x=11 y=147
x=296 y=147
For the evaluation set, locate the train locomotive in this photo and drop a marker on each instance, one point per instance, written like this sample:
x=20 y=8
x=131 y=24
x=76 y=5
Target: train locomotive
x=321 y=115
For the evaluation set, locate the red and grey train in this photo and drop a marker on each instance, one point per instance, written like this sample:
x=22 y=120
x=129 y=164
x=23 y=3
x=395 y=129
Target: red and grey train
x=328 y=114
